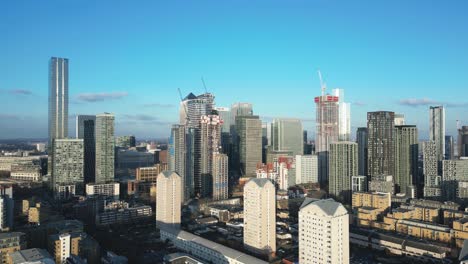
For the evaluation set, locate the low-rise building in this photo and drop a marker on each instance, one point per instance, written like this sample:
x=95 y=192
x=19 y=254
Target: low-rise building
x=9 y=243
x=111 y=190
x=33 y=255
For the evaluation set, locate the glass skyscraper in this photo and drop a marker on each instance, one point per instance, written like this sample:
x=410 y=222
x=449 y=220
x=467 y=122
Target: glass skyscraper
x=58 y=98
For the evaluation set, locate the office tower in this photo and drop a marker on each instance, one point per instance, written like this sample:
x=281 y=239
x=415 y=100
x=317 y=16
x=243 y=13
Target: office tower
x=400 y=120
x=260 y=216
x=380 y=143
x=359 y=183
x=10 y=243
x=430 y=170
x=125 y=141
x=105 y=152
x=150 y=174
x=240 y=109
x=437 y=129
x=220 y=176
x=168 y=200
x=323 y=233
x=249 y=129
x=85 y=129
x=463 y=141
x=210 y=142
x=406 y=157
x=265 y=145
x=58 y=98
x=343 y=164
x=449 y=151
x=67 y=164
x=361 y=140
x=454 y=173
x=225 y=115
x=327 y=130
x=344 y=116
x=178 y=157
x=6 y=207
x=193 y=107
x=306 y=169
x=287 y=135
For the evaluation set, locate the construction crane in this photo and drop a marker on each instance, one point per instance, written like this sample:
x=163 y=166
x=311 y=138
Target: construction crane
x=323 y=85
x=204 y=85
x=187 y=118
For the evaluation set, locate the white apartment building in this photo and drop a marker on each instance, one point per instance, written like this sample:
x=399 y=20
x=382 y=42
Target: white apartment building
x=168 y=200
x=306 y=169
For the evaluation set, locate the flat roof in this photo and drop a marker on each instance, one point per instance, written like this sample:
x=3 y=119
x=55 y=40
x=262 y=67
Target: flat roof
x=225 y=251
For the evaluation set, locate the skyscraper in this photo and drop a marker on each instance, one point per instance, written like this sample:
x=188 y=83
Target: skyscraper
x=104 y=148
x=437 y=129
x=178 y=157
x=344 y=116
x=287 y=135
x=210 y=132
x=220 y=176
x=168 y=200
x=323 y=232
x=249 y=129
x=454 y=173
x=67 y=166
x=260 y=216
x=327 y=130
x=306 y=169
x=406 y=157
x=449 y=150
x=430 y=170
x=361 y=140
x=343 y=164
x=193 y=107
x=58 y=98
x=85 y=129
x=6 y=207
x=240 y=109
x=380 y=143
x=463 y=141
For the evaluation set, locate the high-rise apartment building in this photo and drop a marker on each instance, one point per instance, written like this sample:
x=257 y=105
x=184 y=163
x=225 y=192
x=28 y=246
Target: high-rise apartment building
x=380 y=143
x=323 y=233
x=260 y=216
x=430 y=170
x=6 y=207
x=287 y=135
x=249 y=129
x=406 y=157
x=437 y=129
x=85 y=129
x=306 y=169
x=327 y=130
x=343 y=164
x=344 y=116
x=67 y=164
x=210 y=143
x=463 y=141
x=454 y=172
x=193 y=107
x=105 y=151
x=361 y=140
x=220 y=176
x=168 y=200
x=58 y=98
x=178 y=156
x=125 y=141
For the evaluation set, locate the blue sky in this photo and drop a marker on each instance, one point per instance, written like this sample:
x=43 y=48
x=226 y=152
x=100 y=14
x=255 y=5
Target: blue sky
x=129 y=58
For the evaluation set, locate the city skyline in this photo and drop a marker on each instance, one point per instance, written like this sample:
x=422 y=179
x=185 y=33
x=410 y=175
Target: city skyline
x=396 y=64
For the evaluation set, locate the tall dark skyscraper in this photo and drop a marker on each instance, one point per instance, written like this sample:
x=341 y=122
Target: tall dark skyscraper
x=406 y=157
x=437 y=129
x=463 y=141
x=58 y=98
x=85 y=129
x=381 y=140
x=449 y=150
x=361 y=140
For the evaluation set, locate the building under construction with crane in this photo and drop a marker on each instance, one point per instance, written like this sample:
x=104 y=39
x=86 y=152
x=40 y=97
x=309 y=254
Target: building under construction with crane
x=327 y=128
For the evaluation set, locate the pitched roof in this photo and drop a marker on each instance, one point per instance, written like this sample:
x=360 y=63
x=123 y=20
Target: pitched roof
x=190 y=96
x=328 y=206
